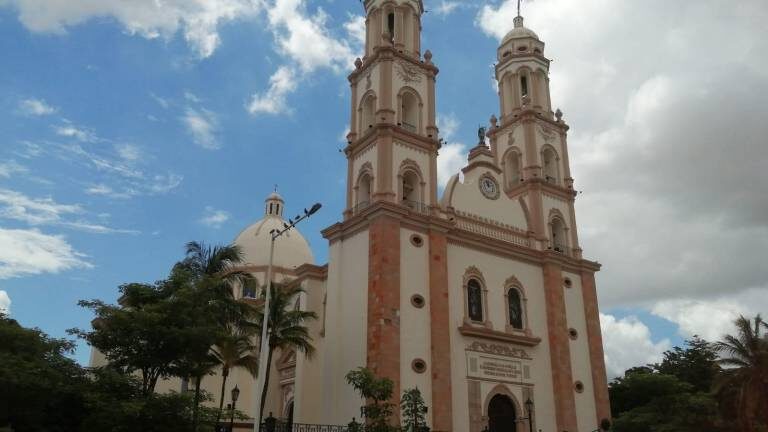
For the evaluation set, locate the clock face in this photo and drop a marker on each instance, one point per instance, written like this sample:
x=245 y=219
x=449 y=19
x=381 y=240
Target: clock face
x=489 y=187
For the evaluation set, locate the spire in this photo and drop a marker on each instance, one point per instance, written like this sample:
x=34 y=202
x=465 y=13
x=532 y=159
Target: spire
x=518 y=21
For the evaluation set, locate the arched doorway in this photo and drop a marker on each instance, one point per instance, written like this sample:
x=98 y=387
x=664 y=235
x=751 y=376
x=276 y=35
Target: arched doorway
x=501 y=414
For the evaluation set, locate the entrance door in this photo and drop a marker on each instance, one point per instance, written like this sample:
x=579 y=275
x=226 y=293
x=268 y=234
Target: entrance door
x=501 y=414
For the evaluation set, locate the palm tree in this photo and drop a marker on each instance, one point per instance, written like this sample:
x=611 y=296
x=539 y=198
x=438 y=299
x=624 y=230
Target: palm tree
x=286 y=326
x=745 y=375
x=234 y=350
x=211 y=271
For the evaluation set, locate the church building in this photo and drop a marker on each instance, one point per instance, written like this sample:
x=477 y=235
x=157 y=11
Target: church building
x=480 y=297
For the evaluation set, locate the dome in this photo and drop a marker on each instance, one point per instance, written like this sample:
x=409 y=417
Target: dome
x=291 y=249
x=519 y=32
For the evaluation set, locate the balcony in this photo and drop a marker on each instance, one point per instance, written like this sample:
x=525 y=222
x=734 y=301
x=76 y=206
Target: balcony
x=416 y=206
x=561 y=249
x=409 y=127
x=359 y=207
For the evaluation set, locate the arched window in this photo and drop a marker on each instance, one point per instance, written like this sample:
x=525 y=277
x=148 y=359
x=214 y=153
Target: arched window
x=411 y=187
x=364 y=190
x=515 y=306
x=558 y=235
x=410 y=112
x=549 y=161
x=368 y=113
x=512 y=168
x=475 y=300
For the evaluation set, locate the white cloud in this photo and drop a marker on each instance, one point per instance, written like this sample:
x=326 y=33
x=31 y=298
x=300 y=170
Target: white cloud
x=36 y=107
x=71 y=131
x=198 y=20
x=307 y=44
x=627 y=343
x=452 y=156
x=29 y=252
x=164 y=183
x=40 y=211
x=5 y=303
x=128 y=152
x=711 y=318
x=273 y=101
x=214 y=218
x=9 y=168
x=451 y=159
x=202 y=126
x=448 y=124
x=445 y=7
x=46 y=211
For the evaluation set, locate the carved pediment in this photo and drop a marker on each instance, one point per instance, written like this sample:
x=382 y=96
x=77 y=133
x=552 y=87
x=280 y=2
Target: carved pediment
x=499 y=349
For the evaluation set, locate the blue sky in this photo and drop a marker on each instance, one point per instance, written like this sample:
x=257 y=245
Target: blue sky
x=127 y=132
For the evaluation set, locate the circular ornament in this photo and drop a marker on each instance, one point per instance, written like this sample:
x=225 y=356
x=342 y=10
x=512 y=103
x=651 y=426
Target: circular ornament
x=489 y=186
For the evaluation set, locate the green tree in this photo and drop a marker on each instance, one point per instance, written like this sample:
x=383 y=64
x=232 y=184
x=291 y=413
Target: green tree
x=40 y=388
x=234 y=350
x=647 y=401
x=696 y=364
x=744 y=379
x=414 y=411
x=377 y=392
x=211 y=274
x=141 y=334
x=286 y=327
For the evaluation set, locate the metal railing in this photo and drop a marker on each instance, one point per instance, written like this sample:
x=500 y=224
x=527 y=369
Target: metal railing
x=362 y=205
x=301 y=427
x=561 y=249
x=491 y=229
x=409 y=127
x=418 y=207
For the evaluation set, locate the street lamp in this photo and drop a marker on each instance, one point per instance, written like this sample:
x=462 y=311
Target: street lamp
x=529 y=409
x=235 y=395
x=263 y=345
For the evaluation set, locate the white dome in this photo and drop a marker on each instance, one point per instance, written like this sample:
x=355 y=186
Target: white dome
x=519 y=32
x=291 y=249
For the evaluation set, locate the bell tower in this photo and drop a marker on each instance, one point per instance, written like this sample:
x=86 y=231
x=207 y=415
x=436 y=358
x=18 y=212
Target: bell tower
x=529 y=140
x=393 y=139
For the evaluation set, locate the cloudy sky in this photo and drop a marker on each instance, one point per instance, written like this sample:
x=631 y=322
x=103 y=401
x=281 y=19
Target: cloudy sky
x=130 y=128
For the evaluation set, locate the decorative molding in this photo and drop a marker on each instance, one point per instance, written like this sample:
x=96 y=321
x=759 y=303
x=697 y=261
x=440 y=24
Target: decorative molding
x=547 y=133
x=407 y=72
x=500 y=350
x=484 y=333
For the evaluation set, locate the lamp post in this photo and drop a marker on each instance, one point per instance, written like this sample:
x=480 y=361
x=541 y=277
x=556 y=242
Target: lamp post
x=235 y=395
x=263 y=344
x=529 y=408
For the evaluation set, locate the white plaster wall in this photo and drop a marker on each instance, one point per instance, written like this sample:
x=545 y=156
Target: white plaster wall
x=468 y=198
x=503 y=143
x=309 y=371
x=415 y=336
x=580 y=363
x=496 y=270
x=346 y=328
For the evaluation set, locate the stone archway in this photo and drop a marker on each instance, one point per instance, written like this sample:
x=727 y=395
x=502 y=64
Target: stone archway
x=501 y=414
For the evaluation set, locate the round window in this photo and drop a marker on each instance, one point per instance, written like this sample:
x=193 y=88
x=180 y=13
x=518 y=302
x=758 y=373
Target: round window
x=417 y=301
x=417 y=240
x=573 y=334
x=568 y=282
x=579 y=387
x=419 y=366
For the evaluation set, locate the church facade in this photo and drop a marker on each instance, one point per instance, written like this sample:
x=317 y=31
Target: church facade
x=481 y=298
